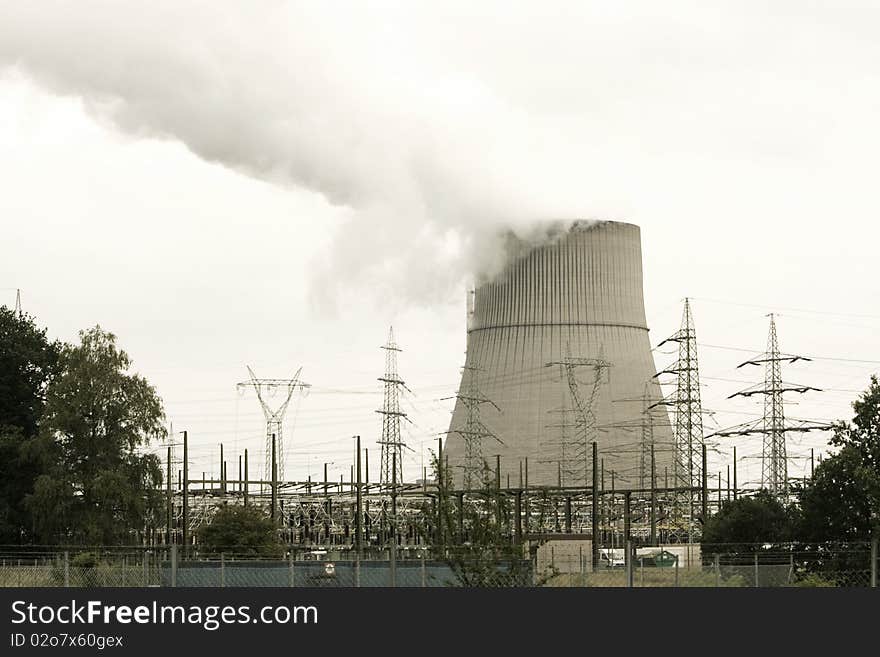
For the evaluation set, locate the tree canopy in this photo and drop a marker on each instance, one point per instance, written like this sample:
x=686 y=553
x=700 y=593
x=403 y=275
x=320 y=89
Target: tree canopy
x=242 y=530
x=28 y=361
x=842 y=502
x=746 y=524
x=97 y=487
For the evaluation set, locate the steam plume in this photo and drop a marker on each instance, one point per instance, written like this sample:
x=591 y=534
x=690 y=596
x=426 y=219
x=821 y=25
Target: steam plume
x=432 y=163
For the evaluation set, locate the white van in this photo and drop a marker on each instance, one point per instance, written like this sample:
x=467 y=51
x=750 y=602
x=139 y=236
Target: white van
x=612 y=558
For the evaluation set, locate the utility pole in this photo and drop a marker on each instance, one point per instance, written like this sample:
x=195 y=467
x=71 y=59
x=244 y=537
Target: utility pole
x=185 y=487
x=653 y=498
x=358 y=518
x=391 y=441
x=594 y=519
x=274 y=466
x=169 y=514
x=735 y=491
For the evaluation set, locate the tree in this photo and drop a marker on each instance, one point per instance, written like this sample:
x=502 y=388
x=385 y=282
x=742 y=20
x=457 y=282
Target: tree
x=835 y=504
x=28 y=361
x=842 y=502
x=98 y=488
x=747 y=524
x=240 y=530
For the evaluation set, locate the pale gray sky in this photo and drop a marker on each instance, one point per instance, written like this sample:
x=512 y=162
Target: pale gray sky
x=224 y=184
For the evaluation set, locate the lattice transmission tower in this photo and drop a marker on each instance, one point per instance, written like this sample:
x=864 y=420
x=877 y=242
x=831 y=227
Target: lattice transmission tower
x=688 y=439
x=575 y=447
x=773 y=426
x=686 y=404
x=274 y=418
x=474 y=431
x=391 y=440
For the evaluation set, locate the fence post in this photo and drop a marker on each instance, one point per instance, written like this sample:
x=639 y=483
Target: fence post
x=629 y=564
x=717 y=571
x=222 y=569
x=642 y=572
x=874 y=557
x=174 y=564
x=424 y=573
x=357 y=570
x=124 y=568
x=756 y=569
x=291 y=581
x=676 y=571
x=66 y=569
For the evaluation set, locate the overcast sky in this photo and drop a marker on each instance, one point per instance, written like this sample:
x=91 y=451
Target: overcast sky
x=274 y=184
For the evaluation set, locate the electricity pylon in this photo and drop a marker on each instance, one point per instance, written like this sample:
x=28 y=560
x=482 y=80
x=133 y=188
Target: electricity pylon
x=774 y=460
x=574 y=448
x=688 y=410
x=274 y=419
x=474 y=431
x=391 y=441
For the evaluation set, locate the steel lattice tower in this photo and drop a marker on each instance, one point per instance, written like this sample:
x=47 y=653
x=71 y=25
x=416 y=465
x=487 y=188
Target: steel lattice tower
x=391 y=441
x=474 y=431
x=575 y=449
x=274 y=419
x=774 y=460
x=688 y=434
x=688 y=409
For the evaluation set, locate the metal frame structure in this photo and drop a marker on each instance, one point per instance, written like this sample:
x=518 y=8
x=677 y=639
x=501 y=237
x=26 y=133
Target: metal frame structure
x=687 y=467
x=274 y=419
x=574 y=450
x=773 y=426
x=391 y=441
x=474 y=431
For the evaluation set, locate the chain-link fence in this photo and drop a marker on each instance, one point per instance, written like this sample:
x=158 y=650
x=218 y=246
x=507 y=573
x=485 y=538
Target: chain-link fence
x=851 y=565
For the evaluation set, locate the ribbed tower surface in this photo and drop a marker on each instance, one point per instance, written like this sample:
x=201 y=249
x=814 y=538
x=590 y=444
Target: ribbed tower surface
x=577 y=296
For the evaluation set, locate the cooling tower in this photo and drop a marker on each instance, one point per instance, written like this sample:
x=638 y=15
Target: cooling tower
x=559 y=343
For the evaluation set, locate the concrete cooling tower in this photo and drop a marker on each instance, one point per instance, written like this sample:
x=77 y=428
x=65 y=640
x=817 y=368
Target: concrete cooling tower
x=558 y=356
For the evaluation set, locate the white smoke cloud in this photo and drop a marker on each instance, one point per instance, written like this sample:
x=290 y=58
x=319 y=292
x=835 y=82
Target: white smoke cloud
x=431 y=161
x=440 y=125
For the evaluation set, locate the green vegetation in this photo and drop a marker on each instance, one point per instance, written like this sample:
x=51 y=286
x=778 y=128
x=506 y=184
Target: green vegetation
x=72 y=423
x=242 y=531
x=842 y=501
x=28 y=362
x=748 y=524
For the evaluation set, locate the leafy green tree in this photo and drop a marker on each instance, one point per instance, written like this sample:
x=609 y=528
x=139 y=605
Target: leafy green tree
x=747 y=524
x=28 y=361
x=240 y=530
x=842 y=502
x=835 y=504
x=98 y=487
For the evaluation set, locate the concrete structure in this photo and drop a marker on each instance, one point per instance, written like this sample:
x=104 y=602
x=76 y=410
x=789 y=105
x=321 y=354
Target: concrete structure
x=559 y=342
